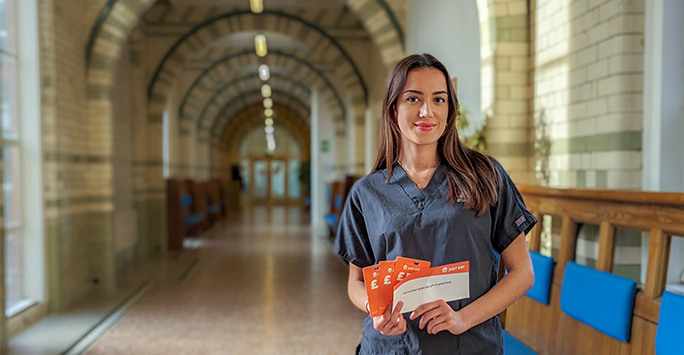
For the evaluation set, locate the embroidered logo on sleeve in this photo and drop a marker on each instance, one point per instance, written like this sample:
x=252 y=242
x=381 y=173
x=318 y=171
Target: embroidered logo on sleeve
x=520 y=221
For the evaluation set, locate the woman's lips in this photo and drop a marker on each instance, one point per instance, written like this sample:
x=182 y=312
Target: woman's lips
x=425 y=126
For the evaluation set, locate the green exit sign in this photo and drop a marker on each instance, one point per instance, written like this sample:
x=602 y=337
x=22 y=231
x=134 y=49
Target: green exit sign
x=325 y=146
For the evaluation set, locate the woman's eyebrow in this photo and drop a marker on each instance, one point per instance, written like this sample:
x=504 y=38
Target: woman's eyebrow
x=413 y=91
x=440 y=92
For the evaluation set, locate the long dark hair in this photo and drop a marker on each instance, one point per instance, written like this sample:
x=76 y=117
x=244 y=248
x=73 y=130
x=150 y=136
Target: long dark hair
x=472 y=176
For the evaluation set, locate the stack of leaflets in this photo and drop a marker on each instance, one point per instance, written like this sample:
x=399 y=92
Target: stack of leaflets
x=414 y=282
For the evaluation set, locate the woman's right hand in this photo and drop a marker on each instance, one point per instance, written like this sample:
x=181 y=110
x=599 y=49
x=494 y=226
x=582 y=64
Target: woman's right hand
x=390 y=323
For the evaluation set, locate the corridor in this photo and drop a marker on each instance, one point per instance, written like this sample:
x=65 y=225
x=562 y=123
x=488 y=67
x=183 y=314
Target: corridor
x=174 y=171
x=265 y=285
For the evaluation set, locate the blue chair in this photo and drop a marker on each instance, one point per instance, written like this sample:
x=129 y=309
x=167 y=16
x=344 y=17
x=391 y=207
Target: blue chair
x=599 y=299
x=670 y=331
x=543 y=277
x=192 y=218
x=332 y=220
x=513 y=346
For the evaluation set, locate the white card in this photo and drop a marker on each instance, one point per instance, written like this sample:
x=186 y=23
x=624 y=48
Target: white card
x=448 y=282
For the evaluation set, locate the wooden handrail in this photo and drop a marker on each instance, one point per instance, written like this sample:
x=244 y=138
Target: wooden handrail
x=630 y=196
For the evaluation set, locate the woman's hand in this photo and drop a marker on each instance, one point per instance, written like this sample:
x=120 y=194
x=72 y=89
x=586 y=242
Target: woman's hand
x=390 y=323
x=439 y=316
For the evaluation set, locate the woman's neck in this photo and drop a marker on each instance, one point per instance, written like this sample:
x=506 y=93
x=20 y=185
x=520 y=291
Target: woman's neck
x=419 y=158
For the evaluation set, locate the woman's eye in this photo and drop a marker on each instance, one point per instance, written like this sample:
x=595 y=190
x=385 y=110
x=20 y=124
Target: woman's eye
x=440 y=100
x=412 y=99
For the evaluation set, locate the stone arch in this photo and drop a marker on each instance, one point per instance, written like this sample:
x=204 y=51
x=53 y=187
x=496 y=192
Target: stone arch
x=225 y=69
x=238 y=21
x=118 y=17
x=236 y=103
x=505 y=60
x=248 y=116
x=281 y=99
x=279 y=84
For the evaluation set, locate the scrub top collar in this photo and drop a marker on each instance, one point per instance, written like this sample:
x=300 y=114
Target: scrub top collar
x=419 y=197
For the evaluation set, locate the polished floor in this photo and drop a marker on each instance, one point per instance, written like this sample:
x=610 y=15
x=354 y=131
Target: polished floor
x=263 y=284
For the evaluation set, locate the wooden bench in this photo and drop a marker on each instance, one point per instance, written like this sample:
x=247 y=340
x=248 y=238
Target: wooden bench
x=199 y=201
x=670 y=331
x=339 y=193
x=213 y=196
x=548 y=329
x=181 y=220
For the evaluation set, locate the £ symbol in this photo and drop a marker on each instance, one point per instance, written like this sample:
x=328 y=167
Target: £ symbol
x=400 y=276
x=374 y=284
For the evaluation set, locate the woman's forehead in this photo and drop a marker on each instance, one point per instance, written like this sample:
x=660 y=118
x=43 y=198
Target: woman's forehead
x=426 y=80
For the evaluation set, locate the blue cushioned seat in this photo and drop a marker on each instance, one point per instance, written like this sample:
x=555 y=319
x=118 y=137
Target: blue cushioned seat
x=213 y=208
x=186 y=200
x=193 y=218
x=543 y=272
x=338 y=201
x=513 y=346
x=331 y=220
x=599 y=299
x=670 y=325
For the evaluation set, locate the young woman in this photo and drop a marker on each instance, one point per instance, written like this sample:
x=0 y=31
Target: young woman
x=430 y=197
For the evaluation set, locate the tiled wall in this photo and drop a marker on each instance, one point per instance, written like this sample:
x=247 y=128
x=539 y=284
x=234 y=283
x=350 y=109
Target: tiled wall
x=589 y=80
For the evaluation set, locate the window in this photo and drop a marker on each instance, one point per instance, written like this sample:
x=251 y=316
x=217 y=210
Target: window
x=21 y=155
x=11 y=156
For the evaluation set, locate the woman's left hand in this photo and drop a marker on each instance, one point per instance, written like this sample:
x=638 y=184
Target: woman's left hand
x=439 y=316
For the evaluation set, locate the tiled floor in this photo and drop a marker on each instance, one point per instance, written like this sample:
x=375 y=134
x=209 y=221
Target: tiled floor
x=264 y=285
x=59 y=332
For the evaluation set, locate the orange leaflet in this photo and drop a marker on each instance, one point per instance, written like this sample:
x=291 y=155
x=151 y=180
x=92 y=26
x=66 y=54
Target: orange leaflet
x=379 y=286
x=407 y=266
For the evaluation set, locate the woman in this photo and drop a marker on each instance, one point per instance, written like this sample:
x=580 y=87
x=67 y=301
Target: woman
x=430 y=197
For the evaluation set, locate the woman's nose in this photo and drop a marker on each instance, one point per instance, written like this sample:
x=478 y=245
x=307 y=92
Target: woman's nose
x=426 y=110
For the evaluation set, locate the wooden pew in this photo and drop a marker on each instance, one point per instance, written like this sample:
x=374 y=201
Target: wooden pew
x=546 y=328
x=199 y=199
x=339 y=192
x=213 y=195
x=181 y=220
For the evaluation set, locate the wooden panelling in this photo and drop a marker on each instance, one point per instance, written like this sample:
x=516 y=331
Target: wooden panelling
x=658 y=256
x=606 y=247
x=535 y=234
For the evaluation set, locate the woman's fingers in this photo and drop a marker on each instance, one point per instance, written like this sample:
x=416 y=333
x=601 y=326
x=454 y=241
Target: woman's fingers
x=391 y=323
x=429 y=316
x=437 y=325
x=423 y=309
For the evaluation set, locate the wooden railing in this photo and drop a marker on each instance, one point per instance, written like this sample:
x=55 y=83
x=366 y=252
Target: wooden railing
x=545 y=328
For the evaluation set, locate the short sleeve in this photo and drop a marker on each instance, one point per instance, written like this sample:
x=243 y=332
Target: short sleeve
x=352 y=242
x=509 y=215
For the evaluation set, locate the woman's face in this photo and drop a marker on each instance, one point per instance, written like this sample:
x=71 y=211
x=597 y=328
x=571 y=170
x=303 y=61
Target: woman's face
x=423 y=107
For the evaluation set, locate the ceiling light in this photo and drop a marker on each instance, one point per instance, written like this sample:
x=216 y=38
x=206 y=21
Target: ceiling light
x=260 y=45
x=266 y=90
x=268 y=103
x=264 y=72
x=257 y=6
x=268 y=129
x=271 y=145
x=268 y=112
x=269 y=122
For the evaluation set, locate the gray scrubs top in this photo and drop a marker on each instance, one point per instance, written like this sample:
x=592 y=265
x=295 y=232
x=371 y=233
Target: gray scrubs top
x=382 y=220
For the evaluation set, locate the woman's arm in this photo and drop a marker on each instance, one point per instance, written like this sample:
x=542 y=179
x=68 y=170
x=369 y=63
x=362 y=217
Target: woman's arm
x=439 y=316
x=356 y=287
x=390 y=323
